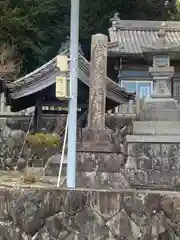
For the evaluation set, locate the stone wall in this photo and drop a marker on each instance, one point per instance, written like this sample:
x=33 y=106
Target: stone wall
x=155 y=164
x=13 y=132
x=14 y=148
x=39 y=214
x=11 y=142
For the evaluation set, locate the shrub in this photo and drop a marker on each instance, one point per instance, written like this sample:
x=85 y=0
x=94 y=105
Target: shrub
x=45 y=140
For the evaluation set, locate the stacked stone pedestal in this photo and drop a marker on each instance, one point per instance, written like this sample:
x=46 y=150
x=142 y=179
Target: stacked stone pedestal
x=99 y=156
x=100 y=160
x=154 y=148
x=160 y=109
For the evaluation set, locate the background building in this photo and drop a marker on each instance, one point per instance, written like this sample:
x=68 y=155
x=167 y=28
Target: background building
x=129 y=62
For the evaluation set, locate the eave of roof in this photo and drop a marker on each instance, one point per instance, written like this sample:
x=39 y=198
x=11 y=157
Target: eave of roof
x=127 y=37
x=147 y=25
x=44 y=76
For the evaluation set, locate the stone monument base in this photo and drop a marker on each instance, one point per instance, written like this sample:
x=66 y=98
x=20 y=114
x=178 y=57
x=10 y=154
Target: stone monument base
x=154 y=164
x=160 y=109
x=154 y=154
x=158 y=128
x=99 y=160
x=97 y=135
x=94 y=140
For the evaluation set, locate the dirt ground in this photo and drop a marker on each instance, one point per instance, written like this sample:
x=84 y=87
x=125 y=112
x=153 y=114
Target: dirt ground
x=32 y=179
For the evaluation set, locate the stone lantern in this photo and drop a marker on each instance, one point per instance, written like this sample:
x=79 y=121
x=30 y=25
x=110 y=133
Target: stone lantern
x=160 y=53
x=156 y=131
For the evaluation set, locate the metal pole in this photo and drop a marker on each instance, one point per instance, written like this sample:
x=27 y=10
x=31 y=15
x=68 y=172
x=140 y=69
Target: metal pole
x=74 y=43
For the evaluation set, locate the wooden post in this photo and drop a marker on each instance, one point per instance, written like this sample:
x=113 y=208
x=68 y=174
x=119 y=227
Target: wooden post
x=38 y=117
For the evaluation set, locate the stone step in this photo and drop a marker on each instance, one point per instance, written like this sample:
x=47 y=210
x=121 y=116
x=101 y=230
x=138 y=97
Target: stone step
x=94 y=180
x=159 y=115
x=153 y=138
x=156 y=127
x=102 y=180
x=160 y=109
x=160 y=103
x=88 y=162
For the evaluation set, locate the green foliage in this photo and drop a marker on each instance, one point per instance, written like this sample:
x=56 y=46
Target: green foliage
x=95 y=14
x=36 y=28
x=43 y=140
x=145 y=10
x=31 y=26
x=175 y=15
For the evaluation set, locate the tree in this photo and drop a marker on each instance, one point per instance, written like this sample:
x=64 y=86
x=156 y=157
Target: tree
x=30 y=27
x=35 y=29
x=95 y=14
x=175 y=15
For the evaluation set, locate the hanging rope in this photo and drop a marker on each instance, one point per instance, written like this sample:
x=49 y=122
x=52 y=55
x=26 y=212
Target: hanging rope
x=62 y=154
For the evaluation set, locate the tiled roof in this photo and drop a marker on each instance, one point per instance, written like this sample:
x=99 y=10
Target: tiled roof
x=129 y=36
x=45 y=76
x=147 y=25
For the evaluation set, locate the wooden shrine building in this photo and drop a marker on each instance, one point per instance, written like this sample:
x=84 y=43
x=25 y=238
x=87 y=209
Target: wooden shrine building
x=129 y=59
x=38 y=89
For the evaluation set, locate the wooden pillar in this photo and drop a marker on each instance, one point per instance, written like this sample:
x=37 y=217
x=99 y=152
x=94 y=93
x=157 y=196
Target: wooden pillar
x=38 y=117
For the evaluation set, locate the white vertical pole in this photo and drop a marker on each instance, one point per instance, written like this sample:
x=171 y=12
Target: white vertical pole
x=74 y=43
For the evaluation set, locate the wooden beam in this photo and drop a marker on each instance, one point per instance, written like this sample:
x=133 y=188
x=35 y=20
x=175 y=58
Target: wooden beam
x=55 y=104
x=26 y=117
x=38 y=116
x=62 y=104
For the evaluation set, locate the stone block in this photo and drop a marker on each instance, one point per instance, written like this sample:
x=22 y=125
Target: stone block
x=102 y=162
x=96 y=135
x=102 y=180
x=153 y=138
x=160 y=109
x=100 y=140
x=162 y=103
x=154 y=164
x=156 y=127
x=160 y=115
x=90 y=146
x=87 y=214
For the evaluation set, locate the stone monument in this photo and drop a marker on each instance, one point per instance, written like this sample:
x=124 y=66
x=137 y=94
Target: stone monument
x=99 y=155
x=96 y=133
x=154 y=147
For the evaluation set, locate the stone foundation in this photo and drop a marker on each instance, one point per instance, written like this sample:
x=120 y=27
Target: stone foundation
x=155 y=164
x=154 y=155
x=84 y=214
x=99 y=163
